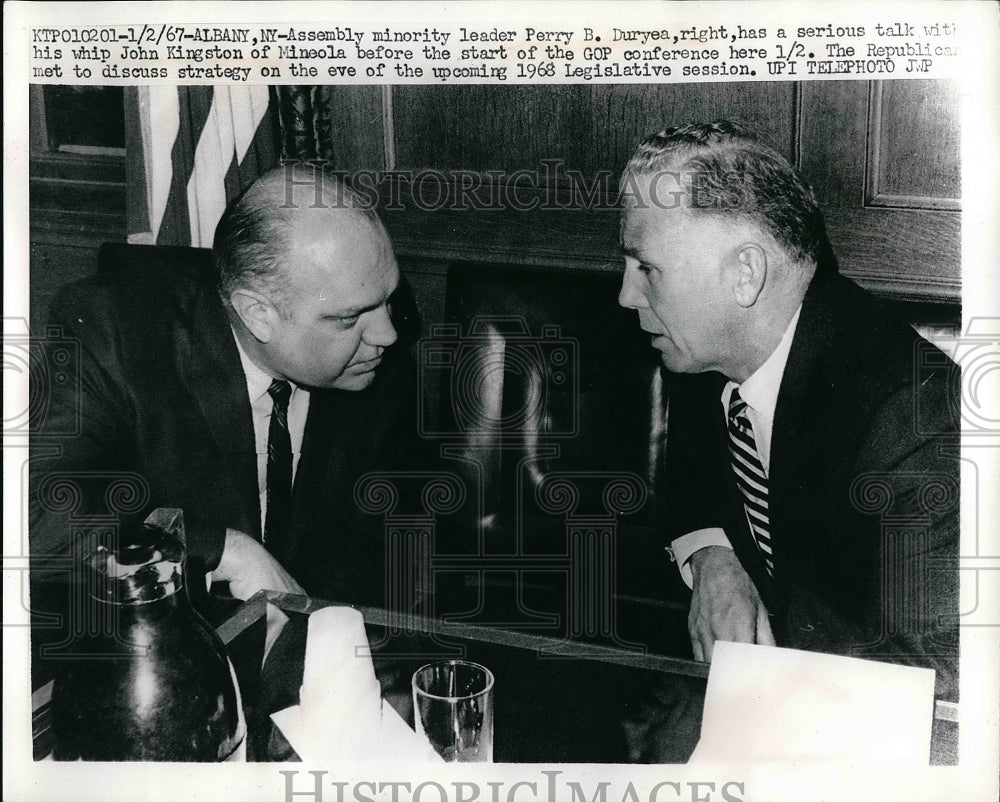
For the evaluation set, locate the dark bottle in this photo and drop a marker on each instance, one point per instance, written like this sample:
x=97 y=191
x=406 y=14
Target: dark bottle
x=157 y=684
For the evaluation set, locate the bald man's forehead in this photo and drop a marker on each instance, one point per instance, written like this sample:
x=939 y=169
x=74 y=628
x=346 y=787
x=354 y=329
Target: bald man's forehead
x=334 y=218
x=341 y=240
x=297 y=187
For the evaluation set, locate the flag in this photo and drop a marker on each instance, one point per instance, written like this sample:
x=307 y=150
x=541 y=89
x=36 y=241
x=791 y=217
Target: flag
x=191 y=150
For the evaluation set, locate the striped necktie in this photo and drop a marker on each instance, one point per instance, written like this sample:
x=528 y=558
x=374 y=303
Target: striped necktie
x=279 y=471
x=750 y=475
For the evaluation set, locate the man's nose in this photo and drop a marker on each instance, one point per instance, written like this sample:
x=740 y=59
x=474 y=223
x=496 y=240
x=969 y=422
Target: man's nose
x=630 y=296
x=380 y=331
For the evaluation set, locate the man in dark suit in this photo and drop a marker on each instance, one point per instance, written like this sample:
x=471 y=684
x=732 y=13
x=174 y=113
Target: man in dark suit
x=252 y=399
x=808 y=505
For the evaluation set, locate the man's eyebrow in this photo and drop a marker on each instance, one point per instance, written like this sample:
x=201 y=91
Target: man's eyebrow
x=354 y=311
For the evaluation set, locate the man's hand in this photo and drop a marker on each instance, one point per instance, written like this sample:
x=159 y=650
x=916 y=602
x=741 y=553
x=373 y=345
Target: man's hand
x=248 y=567
x=725 y=604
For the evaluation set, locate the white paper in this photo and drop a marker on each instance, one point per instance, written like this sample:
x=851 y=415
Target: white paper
x=341 y=715
x=769 y=704
x=397 y=742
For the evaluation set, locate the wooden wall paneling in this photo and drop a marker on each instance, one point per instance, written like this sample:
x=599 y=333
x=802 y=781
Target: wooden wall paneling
x=489 y=128
x=914 y=145
x=859 y=143
x=899 y=252
x=828 y=128
x=580 y=240
x=356 y=128
x=588 y=128
x=625 y=114
x=833 y=122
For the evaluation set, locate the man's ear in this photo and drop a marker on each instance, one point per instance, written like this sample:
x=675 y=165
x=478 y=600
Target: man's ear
x=751 y=273
x=256 y=311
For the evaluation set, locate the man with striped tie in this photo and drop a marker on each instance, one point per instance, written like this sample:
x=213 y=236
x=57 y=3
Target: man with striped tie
x=795 y=408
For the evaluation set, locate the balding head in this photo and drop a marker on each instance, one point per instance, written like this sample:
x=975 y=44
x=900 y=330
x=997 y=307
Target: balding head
x=306 y=278
x=256 y=233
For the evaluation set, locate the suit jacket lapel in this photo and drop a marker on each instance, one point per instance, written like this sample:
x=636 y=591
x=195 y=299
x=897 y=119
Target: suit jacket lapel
x=793 y=437
x=217 y=382
x=313 y=485
x=801 y=421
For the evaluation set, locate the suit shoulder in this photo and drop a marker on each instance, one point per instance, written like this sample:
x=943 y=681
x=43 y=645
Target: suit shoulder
x=870 y=336
x=877 y=357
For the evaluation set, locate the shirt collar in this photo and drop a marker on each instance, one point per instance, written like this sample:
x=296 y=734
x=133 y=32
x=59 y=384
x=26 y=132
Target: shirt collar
x=258 y=381
x=760 y=390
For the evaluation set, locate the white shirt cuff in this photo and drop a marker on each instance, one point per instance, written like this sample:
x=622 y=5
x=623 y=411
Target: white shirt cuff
x=685 y=546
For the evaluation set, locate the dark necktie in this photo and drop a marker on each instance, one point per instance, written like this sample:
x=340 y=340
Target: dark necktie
x=279 y=471
x=750 y=475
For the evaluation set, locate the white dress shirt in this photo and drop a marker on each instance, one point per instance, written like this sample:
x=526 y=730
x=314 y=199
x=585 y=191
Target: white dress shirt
x=760 y=392
x=261 y=405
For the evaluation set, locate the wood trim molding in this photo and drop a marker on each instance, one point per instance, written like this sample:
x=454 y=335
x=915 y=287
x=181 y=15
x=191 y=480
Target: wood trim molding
x=388 y=130
x=877 y=248
x=874 y=197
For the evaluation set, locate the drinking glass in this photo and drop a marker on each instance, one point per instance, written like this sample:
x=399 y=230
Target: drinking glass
x=453 y=708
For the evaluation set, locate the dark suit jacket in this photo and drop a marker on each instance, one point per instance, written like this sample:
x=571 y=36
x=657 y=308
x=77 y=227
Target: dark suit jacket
x=863 y=485
x=161 y=405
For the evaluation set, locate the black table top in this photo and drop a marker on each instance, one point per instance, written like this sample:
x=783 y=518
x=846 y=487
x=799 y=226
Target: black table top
x=554 y=700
